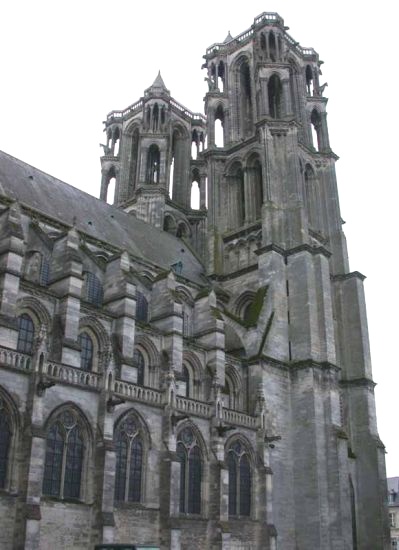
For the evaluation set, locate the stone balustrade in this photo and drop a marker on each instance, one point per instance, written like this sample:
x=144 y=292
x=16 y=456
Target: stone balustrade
x=137 y=393
x=71 y=375
x=15 y=359
x=193 y=407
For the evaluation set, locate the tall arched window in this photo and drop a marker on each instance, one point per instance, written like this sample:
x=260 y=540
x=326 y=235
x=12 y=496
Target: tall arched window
x=184 y=383
x=141 y=307
x=309 y=80
x=94 y=289
x=275 y=92
x=86 y=353
x=153 y=164
x=240 y=480
x=64 y=457
x=316 y=127
x=26 y=334
x=190 y=457
x=5 y=443
x=129 y=460
x=139 y=363
x=245 y=100
x=219 y=126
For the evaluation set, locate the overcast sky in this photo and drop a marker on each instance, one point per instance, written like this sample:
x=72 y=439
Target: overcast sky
x=66 y=64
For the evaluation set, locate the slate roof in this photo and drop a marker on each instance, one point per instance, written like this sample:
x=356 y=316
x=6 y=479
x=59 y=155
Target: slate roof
x=54 y=198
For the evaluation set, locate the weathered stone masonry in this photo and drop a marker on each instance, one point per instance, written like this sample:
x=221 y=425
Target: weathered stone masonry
x=191 y=375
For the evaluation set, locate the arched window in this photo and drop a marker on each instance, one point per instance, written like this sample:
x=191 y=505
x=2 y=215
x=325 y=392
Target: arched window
x=275 y=92
x=26 y=334
x=190 y=458
x=240 y=480
x=153 y=164
x=309 y=80
x=86 y=353
x=129 y=460
x=64 y=457
x=183 y=387
x=155 y=117
x=221 y=77
x=245 y=100
x=141 y=307
x=5 y=443
x=315 y=120
x=219 y=127
x=139 y=363
x=94 y=289
x=116 y=142
x=272 y=47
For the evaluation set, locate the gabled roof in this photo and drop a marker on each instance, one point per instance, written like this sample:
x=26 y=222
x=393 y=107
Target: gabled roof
x=58 y=200
x=228 y=38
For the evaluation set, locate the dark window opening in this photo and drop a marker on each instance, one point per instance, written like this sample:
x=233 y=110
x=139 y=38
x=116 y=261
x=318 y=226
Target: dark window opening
x=94 y=289
x=86 y=353
x=26 y=334
x=5 y=442
x=190 y=472
x=153 y=164
x=141 y=307
x=129 y=461
x=275 y=91
x=139 y=363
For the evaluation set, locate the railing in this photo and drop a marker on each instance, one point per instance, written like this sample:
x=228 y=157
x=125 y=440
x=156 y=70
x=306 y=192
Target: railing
x=239 y=418
x=131 y=109
x=193 y=407
x=71 y=375
x=186 y=111
x=11 y=358
x=139 y=393
x=263 y=17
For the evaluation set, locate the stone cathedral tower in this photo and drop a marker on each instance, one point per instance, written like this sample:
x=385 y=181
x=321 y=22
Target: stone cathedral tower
x=191 y=374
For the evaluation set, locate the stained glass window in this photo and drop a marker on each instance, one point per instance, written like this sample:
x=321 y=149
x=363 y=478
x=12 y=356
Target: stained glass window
x=64 y=457
x=139 y=362
x=190 y=458
x=129 y=461
x=94 y=289
x=86 y=352
x=240 y=480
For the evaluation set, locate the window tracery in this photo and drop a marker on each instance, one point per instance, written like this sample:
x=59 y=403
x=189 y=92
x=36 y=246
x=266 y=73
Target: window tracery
x=240 y=480
x=64 y=457
x=190 y=457
x=129 y=461
x=5 y=442
x=26 y=334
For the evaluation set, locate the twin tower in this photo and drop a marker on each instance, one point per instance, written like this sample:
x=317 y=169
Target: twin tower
x=255 y=157
x=267 y=218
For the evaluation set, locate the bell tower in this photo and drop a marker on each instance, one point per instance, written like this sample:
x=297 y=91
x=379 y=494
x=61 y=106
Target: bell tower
x=273 y=147
x=153 y=154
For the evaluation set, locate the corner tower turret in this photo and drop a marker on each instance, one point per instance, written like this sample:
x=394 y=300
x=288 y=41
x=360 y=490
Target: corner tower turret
x=154 y=167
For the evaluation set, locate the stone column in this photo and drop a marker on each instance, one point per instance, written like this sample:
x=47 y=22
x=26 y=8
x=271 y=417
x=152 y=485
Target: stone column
x=67 y=281
x=287 y=97
x=120 y=299
x=12 y=250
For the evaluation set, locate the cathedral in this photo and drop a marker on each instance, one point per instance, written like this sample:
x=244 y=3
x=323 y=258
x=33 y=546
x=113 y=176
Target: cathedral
x=191 y=374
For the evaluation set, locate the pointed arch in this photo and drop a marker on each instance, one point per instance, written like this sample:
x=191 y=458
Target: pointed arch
x=69 y=440
x=10 y=425
x=275 y=94
x=191 y=452
x=131 y=446
x=39 y=311
x=239 y=459
x=153 y=164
